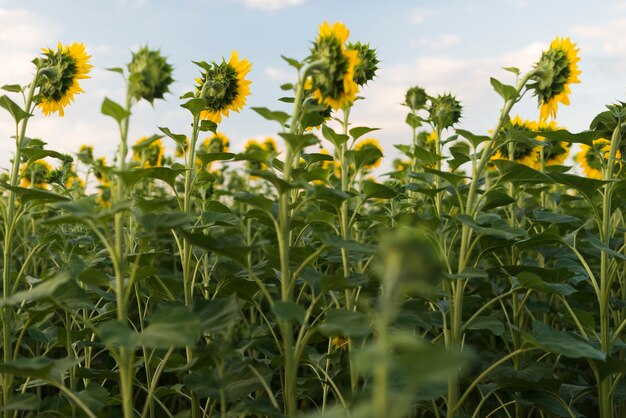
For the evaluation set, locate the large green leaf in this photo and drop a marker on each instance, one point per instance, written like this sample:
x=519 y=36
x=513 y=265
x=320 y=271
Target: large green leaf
x=562 y=343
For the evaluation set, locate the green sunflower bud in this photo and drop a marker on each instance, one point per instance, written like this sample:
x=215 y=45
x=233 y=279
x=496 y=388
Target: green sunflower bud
x=150 y=75
x=445 y=110
x=365 y=70
x=416 y=98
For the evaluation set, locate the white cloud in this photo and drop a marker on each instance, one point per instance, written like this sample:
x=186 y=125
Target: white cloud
x=440 y=42
x=420 y=14
x=609 y=36
x=271 y=4
x=280 y=75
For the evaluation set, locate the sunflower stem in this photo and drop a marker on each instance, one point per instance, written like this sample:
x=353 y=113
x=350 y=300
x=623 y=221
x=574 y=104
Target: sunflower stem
x=457 y=288
x=9 y=228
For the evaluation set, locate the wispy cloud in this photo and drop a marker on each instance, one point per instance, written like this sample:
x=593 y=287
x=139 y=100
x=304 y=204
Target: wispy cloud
x=420 y=14
x=440 y=42
x=271 y=4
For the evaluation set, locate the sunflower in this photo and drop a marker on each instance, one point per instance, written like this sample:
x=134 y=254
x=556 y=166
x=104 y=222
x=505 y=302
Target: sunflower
x=59 y=75
x=591 y=158
x=217 y=143
x=104 y=195
x=554 y=73
x=333 y=84
x=150 y=75
x=371 y=144
x=101 y=170
x=35 y=174
x=86 y=151
x=224 y=87
x=401 y=165
x=270 y=145
x=523 y=153
x=554 y=152
x=339 y=343
x=149 y=152
x=253 y=146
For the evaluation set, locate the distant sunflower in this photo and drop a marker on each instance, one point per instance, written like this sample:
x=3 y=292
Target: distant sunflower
x=217 y=143
x=253 y=146
x=591 y=158
x=149 y=152
x=269 y=144
x=370 y=144
x=333 y=84
x=554 y=152
x=523 y=153
x=35 y=174
x=104 y=196
x=339 y=343
x=59 y=75
x=224 y=87
x=555 y=72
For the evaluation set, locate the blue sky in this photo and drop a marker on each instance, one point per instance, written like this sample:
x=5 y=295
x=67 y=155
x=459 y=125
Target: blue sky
x=451 y=46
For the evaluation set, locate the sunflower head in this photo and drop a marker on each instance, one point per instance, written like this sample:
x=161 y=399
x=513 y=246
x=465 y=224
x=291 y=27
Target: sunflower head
x=524 y=152
x=593 y=159
x=269 y=145
x=101 y=170
x=36 y=174
x=149 y=151
x=444 y=110
x=554 y=152
x=217 y=143
x=365 y=70
x=59 y=75
x=85 y=152
x=339 y=343
x=150 y=75
x=104 y=196
x=370 y=144
x=253 y=146
x=556 y=70
x=223 y=87
x=333 y=83
x=401 y=165
x=416 y=98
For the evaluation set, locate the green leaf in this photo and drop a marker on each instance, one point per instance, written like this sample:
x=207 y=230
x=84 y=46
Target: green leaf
x=171 y=326
x=34 y=195
x=117 y=112
x=293 y=62
x=299 y=142
x=208 y=126
x=474 y=139
x=413 y=121
x=94 y=396
x=453 y=179
x=231 y=246
x=168 y=175
x=345 y=323
x=584 y=185
x=519 y=173
x=359 y=131
x=16 y=111
x=159 y=222
x=532 y=281
x=496 y=199
x=490 y=323
x=272 y=115
x=505 y=91
x=503 y=232
x=13 y=88
x=336 y=139
x=209 y=157
x=44 y=289
x=34 y=154
x=373 y=190
x=289 y=311
x=255 y=200
x=216 y=315
x=559 y=342
x=23 y=402
x=180 y=139
x=195 y=106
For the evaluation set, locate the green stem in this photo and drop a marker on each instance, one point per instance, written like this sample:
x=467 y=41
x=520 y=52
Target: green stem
x=604 y=385
x=458 y=287
x=9 y=228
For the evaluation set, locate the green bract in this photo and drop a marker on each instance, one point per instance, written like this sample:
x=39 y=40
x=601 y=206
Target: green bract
x=150 y=75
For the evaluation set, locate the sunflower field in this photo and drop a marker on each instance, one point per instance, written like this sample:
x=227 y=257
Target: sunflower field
x=484 y=275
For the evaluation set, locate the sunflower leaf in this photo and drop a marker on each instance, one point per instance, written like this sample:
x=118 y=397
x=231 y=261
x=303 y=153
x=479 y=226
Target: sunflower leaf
x=116 y=111
x=13 y=108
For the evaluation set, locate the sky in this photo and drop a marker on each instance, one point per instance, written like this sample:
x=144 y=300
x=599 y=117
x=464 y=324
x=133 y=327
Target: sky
x=449 y=46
